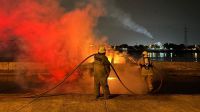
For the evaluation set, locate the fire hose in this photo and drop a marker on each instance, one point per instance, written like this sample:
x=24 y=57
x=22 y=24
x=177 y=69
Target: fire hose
x=66 y=77
x=160 y=76
x=161 y=81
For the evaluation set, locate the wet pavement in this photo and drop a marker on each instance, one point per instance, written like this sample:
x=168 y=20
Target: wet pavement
x=118 y=103
x=180 y=92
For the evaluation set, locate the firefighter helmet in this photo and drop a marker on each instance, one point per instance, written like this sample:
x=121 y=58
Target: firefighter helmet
x=145 y=53
x=102 y=49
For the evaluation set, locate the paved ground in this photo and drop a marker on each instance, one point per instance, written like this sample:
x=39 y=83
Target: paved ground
x=180 y=92
x=119 y=103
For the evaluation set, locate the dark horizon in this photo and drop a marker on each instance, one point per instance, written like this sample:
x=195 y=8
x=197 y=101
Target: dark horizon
x=164 y=19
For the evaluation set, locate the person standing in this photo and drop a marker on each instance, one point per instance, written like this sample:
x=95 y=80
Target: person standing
x=146 y=69
x=101 y=67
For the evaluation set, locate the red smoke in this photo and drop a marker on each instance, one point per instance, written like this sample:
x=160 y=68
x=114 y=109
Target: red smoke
x=47 y=34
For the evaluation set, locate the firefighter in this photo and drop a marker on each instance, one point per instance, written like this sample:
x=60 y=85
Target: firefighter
x=146 y=69
x=101 y=73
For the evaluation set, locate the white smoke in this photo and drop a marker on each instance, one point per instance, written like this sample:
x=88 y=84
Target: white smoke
x=127 y=21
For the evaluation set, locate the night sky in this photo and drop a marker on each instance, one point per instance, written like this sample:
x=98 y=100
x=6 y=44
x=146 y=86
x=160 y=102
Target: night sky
x=164 y=19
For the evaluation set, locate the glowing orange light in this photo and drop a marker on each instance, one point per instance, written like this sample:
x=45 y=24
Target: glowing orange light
x=112 y=78
x=117 y=58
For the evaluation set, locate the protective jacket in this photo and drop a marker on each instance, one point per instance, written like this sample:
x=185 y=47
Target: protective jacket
x=101 y=73
x=146 y=71
x=145 y=65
